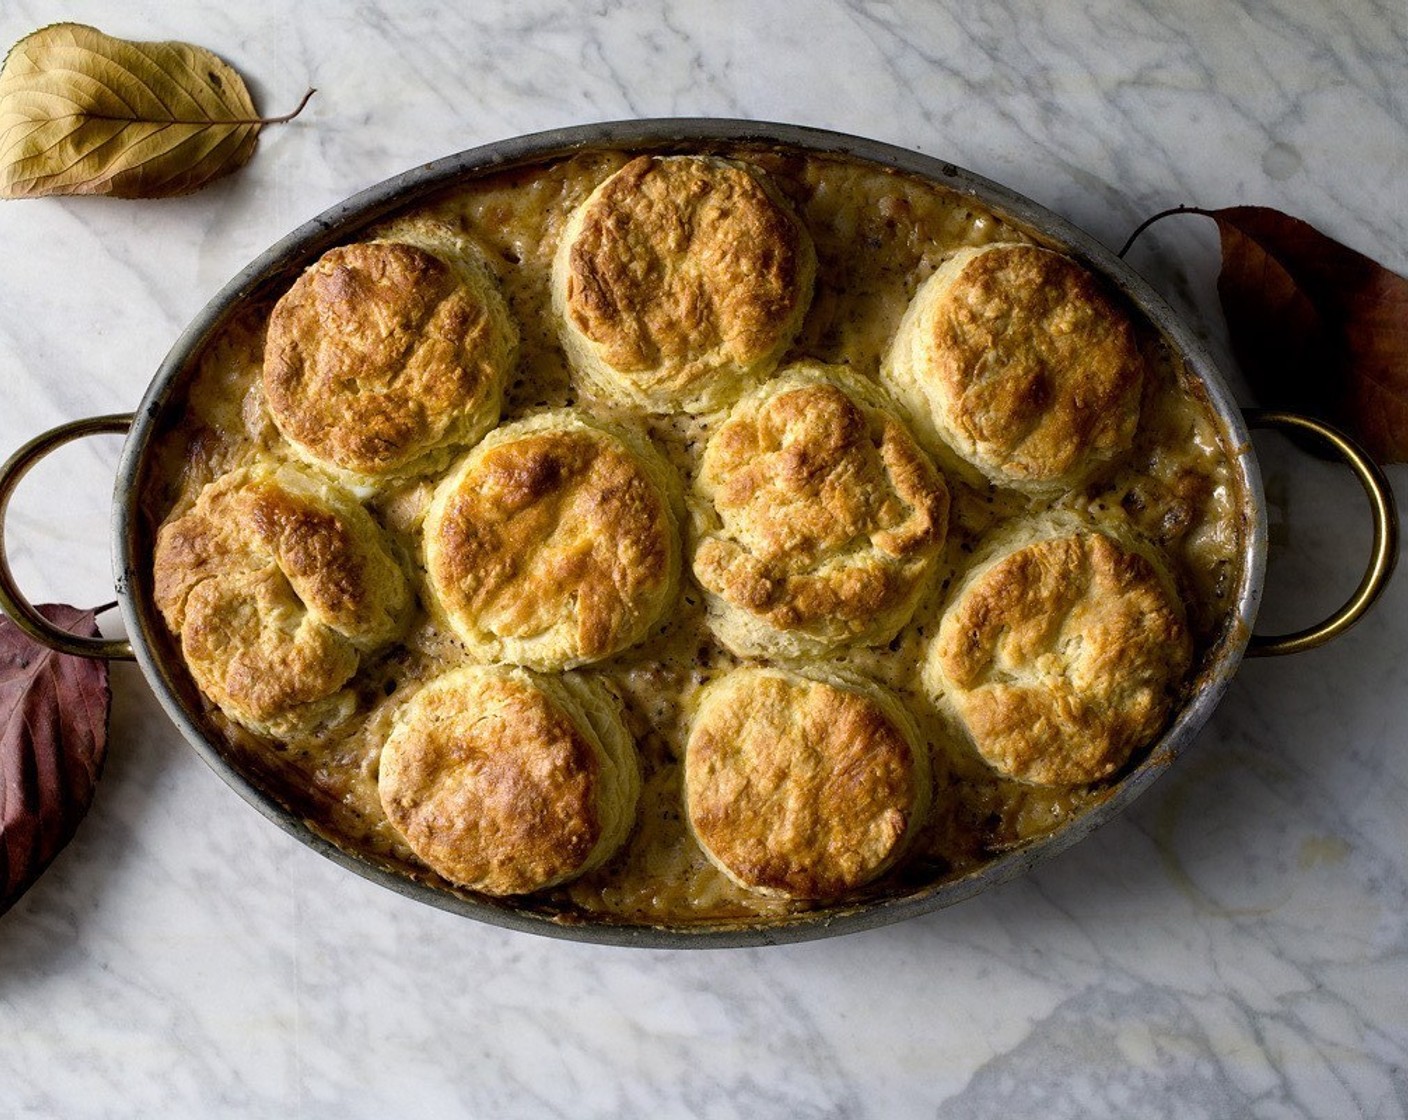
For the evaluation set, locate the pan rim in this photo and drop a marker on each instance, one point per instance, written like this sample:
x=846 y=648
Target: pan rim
x=364 y=208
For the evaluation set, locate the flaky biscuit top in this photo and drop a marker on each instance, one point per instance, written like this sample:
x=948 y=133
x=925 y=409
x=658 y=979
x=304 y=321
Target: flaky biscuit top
x=554 y=544
x=680 y=281
x=1062 y=656
x=800 y=786
x=276 y=581
x=496 y=783
x=384 y=354
x=821 y=514
x=1014 y=359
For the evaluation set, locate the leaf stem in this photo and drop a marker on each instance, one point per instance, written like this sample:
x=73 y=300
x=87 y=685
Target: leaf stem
x=1147 y=222
x=287 y=116
x=207 y=121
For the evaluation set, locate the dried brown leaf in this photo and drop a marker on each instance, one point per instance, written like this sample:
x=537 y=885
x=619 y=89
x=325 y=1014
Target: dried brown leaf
x=1316 y=326
x=53 y=739
x=84 y=113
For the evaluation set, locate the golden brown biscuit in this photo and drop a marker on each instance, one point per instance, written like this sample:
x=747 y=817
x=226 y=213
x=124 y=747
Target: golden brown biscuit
x=1061 y=655
x=387 y=356
x=679 y=283
x=275 y=582
x=821 y=519
x=506 y=782
x=803 y=786
x=1013 y=361
x=555 y=542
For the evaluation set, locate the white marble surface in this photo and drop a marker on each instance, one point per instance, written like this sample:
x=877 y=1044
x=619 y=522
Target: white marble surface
x=1235 y=945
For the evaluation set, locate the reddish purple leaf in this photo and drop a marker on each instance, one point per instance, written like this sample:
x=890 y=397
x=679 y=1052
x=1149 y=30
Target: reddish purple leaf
x=53 y=739
x=1317 y=327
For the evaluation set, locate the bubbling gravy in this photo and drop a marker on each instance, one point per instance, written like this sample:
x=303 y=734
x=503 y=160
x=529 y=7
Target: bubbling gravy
x=879 y=234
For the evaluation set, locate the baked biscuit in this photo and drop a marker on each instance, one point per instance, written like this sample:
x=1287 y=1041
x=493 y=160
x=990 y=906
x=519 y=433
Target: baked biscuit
x=388 y=356
x=1062 y=654
x=505 y=782
x=276 y=582
x=803 y=786
x=679 y=283
x=554 y=543
x=821 y=520
x=1016 y=367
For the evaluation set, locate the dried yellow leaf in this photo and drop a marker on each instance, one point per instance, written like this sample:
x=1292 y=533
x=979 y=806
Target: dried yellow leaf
x=84 y=113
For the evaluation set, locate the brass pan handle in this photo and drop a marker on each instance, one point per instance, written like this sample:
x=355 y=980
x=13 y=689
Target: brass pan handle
x=12 y=600
x=1383 y=553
